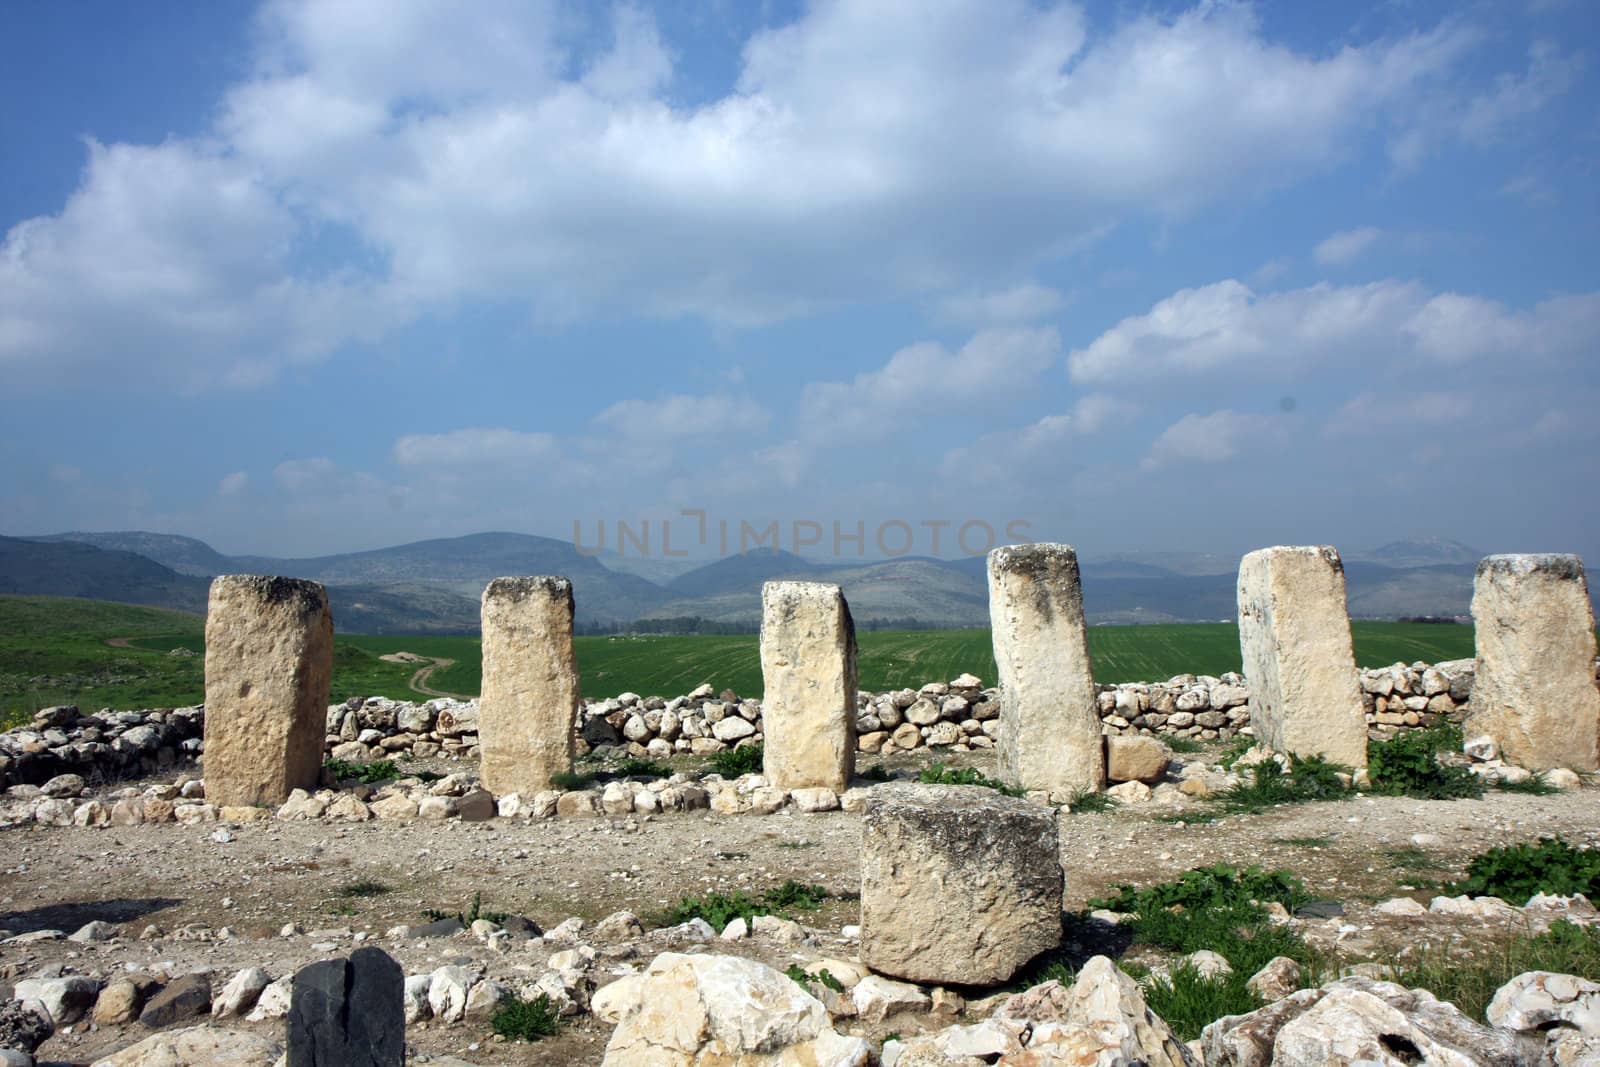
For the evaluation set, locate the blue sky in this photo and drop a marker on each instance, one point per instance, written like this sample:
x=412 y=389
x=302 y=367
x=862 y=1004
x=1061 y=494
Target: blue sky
x=311 y=277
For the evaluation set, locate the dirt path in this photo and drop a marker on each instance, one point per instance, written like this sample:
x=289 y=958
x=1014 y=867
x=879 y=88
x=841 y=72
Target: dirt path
x=120 y=642
x=419 y=680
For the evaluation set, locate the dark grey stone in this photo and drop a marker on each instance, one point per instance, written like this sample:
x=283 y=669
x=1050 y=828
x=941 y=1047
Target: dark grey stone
x=183 y=998
x=348 y=1013
x=476 y=806
x=22 y=1028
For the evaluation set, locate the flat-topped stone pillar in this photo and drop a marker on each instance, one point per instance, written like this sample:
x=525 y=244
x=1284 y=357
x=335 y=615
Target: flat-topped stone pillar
x=808 y=673
x=1294 y=638
x=959 y=884
x=1050 y=735
x=1534 y=689
x=269 y=662
x=529 y=700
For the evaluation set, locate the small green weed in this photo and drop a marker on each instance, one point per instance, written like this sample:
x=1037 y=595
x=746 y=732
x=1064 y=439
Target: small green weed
x=570 y=781
x=1230 y=755
x=1536 y=784
x=471 y=915
x=1411 y=858
x=796 y=845
x=1305 y=842
x=369 y=773
x=345 y=909
x=1408 y=765
x=1516 y=872
x=1184 y=746
x=1189 y=1001
x=1308 y=778
x=939 y=774
x=1090 y=802
x=735 y=762
x=720 y=909
x=364 y=887
x=641 y=768
x=526 y=1020
x=798 y=975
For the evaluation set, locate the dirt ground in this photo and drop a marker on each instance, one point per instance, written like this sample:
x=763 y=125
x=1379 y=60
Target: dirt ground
x=1355 y=851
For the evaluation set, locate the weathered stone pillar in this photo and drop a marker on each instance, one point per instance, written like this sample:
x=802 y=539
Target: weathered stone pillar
x=1049 y=719
x=959 y=884
x=529 y=702
x=1534 y=690
x=1294 y=637
x=269 y=660
x=808 y=672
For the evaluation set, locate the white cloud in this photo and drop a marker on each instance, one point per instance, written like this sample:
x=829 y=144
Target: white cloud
x=1370 y=412
x=1214 y=438
x=1007 y=457
x=677 y=414
x=1197 y=332
x=233 y=484
x=1023 y=302
x=474 y=447
x=1346 y=247
x=995 y=365
x=305 y=475
x=866 y=150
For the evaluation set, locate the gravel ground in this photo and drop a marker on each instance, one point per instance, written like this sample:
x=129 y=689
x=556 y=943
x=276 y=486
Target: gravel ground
x=1355 y=851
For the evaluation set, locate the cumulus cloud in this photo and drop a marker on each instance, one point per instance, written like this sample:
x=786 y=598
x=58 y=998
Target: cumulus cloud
x=1024 y=302
x=865 y=150
x=1196 y=332
x=472 y=447
x=1214 y=438
x=1342 y=249
x=233 y=484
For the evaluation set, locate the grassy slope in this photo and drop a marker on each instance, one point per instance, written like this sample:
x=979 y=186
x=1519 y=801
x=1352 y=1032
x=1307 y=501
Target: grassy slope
x=52 y=650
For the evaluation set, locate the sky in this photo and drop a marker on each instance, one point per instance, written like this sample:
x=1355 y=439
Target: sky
x=310 y=277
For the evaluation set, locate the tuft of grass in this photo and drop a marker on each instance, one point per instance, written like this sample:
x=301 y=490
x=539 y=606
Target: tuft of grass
x=571 y=780
x=1536 y=784
x=525 y=1020
x=720 y=909
x=797 y=844
x=1408 y=765
x=1411 y=858
x=471 y=915
x=1305 y=842
x=1308 y=778
x=1090 y=801
x=1516 y=872
x=641 y=768
x=1565 y=948
x=1220 y=908
x=1188 y=1000
x=368 y=773
x=1184 y=746
x=1230 y=755
x=876 y=773
x=735 y=762
x=939 y=774
x=364 y=887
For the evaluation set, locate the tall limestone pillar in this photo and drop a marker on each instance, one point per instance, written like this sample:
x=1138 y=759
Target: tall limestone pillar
x=1294 y=636
x=1534 y=690
x=808 y=670
x=269 y=660
x=1049 y=719
x=529 y=702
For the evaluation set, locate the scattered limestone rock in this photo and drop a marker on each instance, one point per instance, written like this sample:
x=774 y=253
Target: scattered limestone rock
x=1136 y=759
x=198 y=1046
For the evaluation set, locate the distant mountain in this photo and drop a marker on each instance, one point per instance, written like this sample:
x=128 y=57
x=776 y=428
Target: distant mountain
x=740 y=574
x=1419 y=552
x=1158 y=564
x=186 y=555
x=69 y=568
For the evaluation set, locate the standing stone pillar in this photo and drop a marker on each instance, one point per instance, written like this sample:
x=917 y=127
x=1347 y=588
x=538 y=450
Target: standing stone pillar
x=269 y=660
x=808 y=671
x=1294 y=637
x=1049 y=717
x=529 y=702
x=1534 y=690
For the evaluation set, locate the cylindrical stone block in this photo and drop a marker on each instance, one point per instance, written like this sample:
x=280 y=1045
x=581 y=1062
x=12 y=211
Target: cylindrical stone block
x=1534 y=689
x=1294 y=637
x=808 y=672
x=529 y=702
x=1049 y=717
x=959 y=884
x=269 y=661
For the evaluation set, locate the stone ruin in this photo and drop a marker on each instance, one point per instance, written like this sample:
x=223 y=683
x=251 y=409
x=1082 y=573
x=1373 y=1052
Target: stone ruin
x=530 y=684
x=808 y=668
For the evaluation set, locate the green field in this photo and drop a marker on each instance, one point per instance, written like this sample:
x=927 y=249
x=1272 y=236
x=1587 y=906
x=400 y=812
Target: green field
x=53 y=650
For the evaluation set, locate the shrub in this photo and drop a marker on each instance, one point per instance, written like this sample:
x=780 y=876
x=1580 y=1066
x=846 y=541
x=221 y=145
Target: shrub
x=1516 y=872
x=939 y=774
x=642 y=768
x=734 y=762
x=1408 y=765
x=525 y=1020
x=1308 y=778
x=377 y=771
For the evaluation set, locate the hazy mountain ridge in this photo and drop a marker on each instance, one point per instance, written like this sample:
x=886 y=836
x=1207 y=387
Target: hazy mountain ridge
x=434 y=586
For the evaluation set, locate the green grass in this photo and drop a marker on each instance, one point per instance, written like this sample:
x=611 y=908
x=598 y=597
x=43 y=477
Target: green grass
x=363 y=887
x=525 y=1020
x=1189 y=1001
x=1267 y=784
x=1305 y=842
x=52 y=650
x=720 y=909
x=369 y=773
x=1516 y=872
x=1470 y=984
x=939 y=774
x=733 y=762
